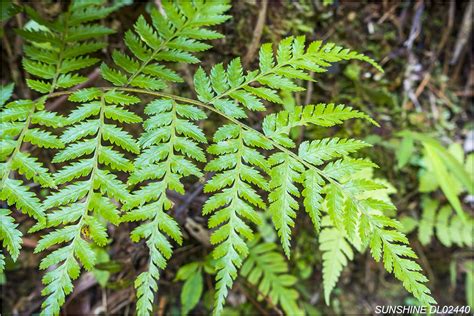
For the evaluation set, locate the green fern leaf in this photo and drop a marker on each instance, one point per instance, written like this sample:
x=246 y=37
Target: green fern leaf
x=6 y=92
x=236 y=200
x=170 y=148
x=266 y=269
x=427 y=222
x=42 y=138
x=173 y=36
x=334 y=203
x=398 y=257
x=274 y=74
x=172 y=143
x=342 y=169
x=450 y=228
x=15 y=192
x=336 y=254
x=319 y=151
x=9 y=235
x=285 y=172
x=31 y=169
x=312 y=196
x=78 y=223
x=66 y=34
x=442 y=226
x=17 y=116
x=278 y=126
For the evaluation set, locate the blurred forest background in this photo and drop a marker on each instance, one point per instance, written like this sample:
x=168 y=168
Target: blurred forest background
x=425 y=95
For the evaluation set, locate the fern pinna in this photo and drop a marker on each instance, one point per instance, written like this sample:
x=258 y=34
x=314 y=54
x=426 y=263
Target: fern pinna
x=84 y=206
x=107 y=177
x=266 y=268
x=55 y=51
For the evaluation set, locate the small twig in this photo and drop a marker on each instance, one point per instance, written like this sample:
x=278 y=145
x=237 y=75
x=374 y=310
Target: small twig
x=252 y=300
x=422 y=85
x=449 y=27
x=440 y=95
x=464 y=33
x=416 y=25
x=425 y=262
x=257 y=34
x=160 y=7
x=266 y=297
x=410 y=75
x=11 y=61
x=162 y=305
x=387 y=14
x=442 y=43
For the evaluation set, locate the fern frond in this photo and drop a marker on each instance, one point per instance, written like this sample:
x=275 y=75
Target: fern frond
x=313 y=183
x=398 y=257
x=341 y=169
x=90 y=191
x=319 y=151
x=79 y=222
x=278 y=125
x=235 y=178
x=334 y=198
x=336 y=252
x=65 y=45
x=32 y=169
x=155 y=231
x=174 y=36
x=53 y=62
x=285 y=173
x=172 y=147
x=442 y=226
x=267 y=269
x=230 y=90
x=449 y=227
x=363 y=218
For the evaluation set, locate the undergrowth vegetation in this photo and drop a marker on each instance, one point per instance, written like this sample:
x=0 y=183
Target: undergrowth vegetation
x=103 y=175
